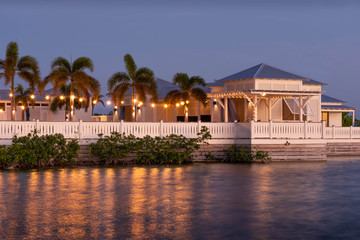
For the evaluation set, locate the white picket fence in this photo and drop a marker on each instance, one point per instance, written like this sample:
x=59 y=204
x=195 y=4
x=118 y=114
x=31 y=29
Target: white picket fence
x=255 y=130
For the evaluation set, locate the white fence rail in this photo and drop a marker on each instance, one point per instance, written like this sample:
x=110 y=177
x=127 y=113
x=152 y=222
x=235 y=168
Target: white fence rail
x=254 y=130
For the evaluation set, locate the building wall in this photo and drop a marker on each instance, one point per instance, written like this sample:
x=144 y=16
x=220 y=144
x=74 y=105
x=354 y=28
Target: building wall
x=335 y=118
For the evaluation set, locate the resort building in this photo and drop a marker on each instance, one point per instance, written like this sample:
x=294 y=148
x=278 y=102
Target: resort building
x=260 y=93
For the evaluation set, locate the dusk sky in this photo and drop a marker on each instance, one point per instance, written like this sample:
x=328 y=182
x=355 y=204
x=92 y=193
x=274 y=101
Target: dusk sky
x=212 y=39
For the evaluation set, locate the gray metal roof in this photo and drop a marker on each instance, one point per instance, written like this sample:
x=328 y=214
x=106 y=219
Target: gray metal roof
x=328 y=99
x=313 y=82
x=263 y=71
x=341 y=107
x=163 y=87
x=215 y=84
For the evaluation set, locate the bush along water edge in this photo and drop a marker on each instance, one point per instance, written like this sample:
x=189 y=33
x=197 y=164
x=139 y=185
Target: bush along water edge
x=238 y=154
x=33 y=151
x=172 y=149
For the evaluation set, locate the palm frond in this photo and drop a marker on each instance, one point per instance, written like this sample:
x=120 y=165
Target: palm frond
x=119 y=91
x=181 y=80
x=60 y=62
x=12 y=51
x=199 y=94
x=196 y=80
x=174 y=97
x=119 y=77
x=82 y=63
x=130 y=65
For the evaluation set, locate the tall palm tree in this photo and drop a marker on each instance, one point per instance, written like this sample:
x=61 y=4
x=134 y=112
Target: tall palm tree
x=24 y=97
x=187 y=90
x=27 y=68
x=63 y=72
x=64 y=100
x=96 y=100
x=139 y=80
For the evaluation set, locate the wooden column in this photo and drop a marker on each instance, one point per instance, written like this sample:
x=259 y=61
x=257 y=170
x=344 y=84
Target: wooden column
x=353 y=118
x=212 y=109
x=269 y=109
x=226 y=110
x=255 y=108
x=300 y=109
x=198 y=111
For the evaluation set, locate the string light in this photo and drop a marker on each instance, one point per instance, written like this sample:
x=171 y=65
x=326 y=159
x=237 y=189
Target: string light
x=72 y=97
x=47 y=97
x=115 y=107
x=1 y=110
x=182 y=103
x=134 y=100
x=94 y=102
x=108 y=102
x=81 y=99
x=61 y=97
x=122 y=102
x=187 y=101
x=22 y=107
x=153 y=105
x=10 y=94
x=177 y=105
x=165 y=106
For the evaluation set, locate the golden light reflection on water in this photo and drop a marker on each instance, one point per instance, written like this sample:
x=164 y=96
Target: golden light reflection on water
x=157 y=202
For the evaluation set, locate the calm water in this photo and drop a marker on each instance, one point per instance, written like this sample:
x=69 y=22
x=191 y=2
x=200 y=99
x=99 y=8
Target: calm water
x=201 y=201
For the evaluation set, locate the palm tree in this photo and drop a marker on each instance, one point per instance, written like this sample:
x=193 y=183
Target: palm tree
x=64 y=100
x=26 y=68
x=187 y=90
x=24 y=97
x=139 y=80
x=96 y=100
x=63 y=72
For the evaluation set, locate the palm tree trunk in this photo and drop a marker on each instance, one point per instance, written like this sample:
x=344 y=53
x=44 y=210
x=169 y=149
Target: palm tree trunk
x=12 y=98
x=133 y=104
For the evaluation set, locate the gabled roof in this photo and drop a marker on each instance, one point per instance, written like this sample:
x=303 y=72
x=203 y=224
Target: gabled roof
x=313 y=82
x=328 y=99
x=263 y=71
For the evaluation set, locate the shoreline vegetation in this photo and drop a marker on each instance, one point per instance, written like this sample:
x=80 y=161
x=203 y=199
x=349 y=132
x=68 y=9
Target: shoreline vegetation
x=34 y=151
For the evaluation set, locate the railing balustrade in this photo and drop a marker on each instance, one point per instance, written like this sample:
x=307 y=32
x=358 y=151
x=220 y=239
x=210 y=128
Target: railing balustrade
x=254 y=130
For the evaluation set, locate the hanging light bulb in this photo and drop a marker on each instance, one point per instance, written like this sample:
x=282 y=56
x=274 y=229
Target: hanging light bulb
x=61 y=97
x=153 y=105
x=94 y=102
x=122 y=102
x=182 y=103
x=187 y=101
x=32 y=96
x=165 y=106
x=47 y=97
x=81 y=99
x=177 y=105
x=22 y=107
x=108 y=102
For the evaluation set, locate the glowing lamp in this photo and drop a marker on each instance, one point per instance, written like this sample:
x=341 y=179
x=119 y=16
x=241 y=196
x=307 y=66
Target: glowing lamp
x=187 y=102
x=108 y=102
x=182 y=103
x=122 y=102
x=177 y=104
x=153 y=105
x=32 y=96
x=10 y=94
x=61 y=97
x=165 y=106
x=72 y=97
x=1 y=110
x=81 y=99
x=22 y=107
x=94 y=102
x=47 y=97
x=134 y=100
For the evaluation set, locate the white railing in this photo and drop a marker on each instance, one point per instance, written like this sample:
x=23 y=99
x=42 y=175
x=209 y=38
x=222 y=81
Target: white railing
x=91 y=130
x=252 y=130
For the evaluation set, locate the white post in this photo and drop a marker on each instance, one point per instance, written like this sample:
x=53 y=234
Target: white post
x=333 y=131
x=36 y=124
x=351 y=128
x=199 y=126
x=80 y=121
x=160 y=128
x=353 y=118
x=305 y=130
x=270 y=129
x=252 y=129
x=121 y=126
x=323 y=129
x=269 y=107
x=226 y=110
x=300 y=109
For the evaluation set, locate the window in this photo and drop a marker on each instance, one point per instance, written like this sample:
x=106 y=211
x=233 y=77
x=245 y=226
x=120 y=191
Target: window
x=2 y=107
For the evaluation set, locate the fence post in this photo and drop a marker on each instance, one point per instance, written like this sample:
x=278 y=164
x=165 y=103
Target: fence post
x=270 y=129
x=333 y=131
x=199 y=125
x=36 y=124
x=351 y=128
x=121 y=126
x=252 y=128
x=305 y=129
x=323 y=129
x=80 y=121
x=160 y=128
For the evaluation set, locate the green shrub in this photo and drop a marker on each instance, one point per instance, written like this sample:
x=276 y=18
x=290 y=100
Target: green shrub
x=172 y=149
x=38 y=151
x=236 y=154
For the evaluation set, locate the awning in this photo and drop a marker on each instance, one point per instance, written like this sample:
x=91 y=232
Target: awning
x=293 y=105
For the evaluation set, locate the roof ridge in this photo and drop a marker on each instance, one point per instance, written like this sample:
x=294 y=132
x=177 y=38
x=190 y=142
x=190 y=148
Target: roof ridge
x=305 y=78
x=260 y=68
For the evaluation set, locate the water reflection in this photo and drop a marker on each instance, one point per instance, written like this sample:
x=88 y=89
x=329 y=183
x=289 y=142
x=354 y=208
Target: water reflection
x=219 y=201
